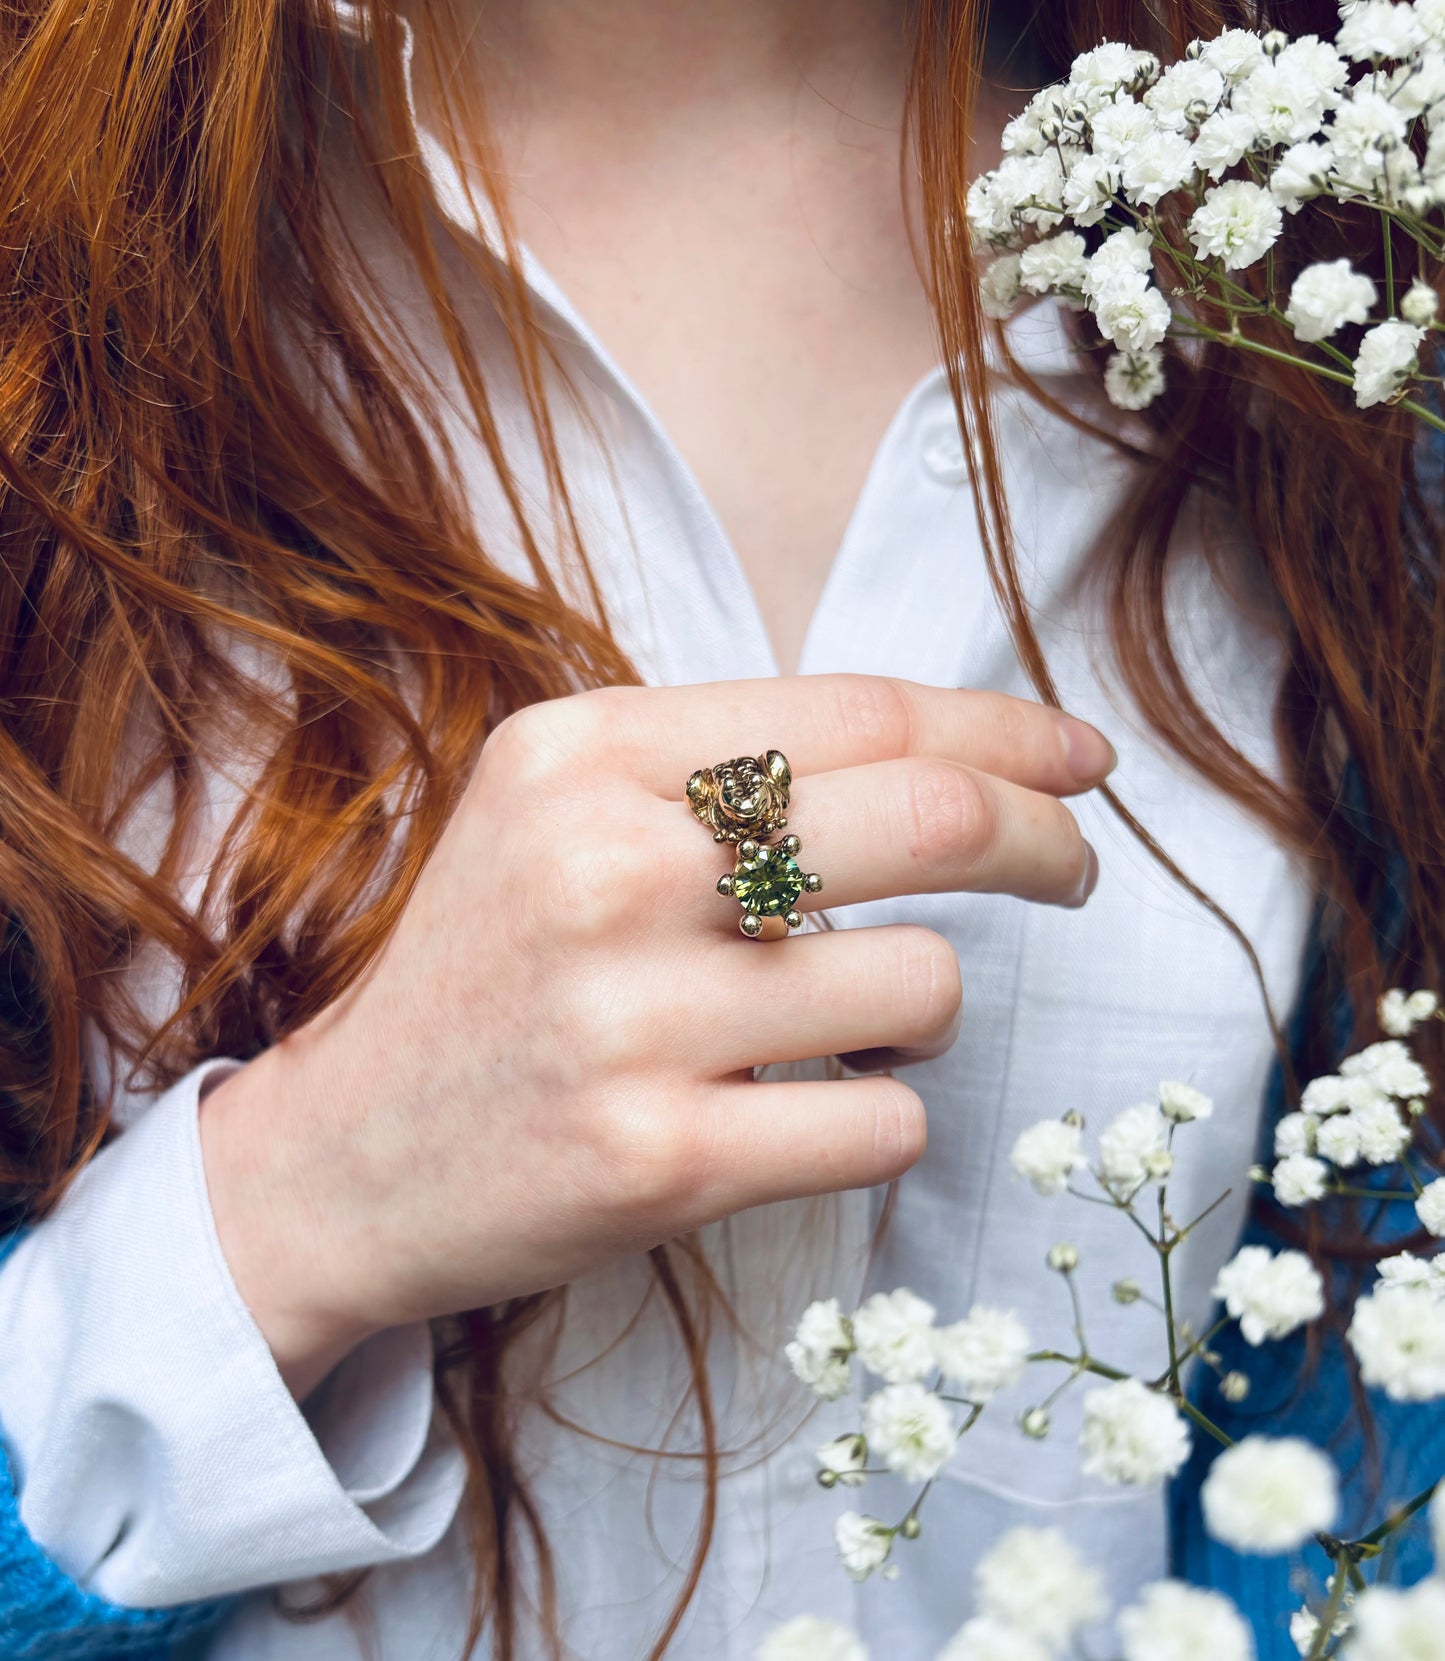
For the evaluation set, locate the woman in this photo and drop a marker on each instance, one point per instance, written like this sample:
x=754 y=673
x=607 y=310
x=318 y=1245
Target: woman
x=367 y=978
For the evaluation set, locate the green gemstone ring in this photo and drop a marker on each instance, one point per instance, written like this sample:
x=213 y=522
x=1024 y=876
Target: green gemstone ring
x=742 y=801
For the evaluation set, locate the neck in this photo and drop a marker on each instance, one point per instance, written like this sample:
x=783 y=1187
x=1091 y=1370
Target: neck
x=643 y=59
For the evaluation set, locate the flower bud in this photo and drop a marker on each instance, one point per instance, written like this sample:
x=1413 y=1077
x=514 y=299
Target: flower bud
x=1195 y=49
x=1257 y=1173
x=910 y=1528
x=1274 y=43
x=1415 y=1108
x=1127 y=1291
x=1234 y=1386
x=1063 y=1259
x=1035 y=1423
x=1074 y=1118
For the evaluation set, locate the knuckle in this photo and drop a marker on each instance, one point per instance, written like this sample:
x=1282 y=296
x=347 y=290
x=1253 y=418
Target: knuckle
x=900 y=1127
x=929 y=978
x=643 y=1146
x=558 y=739
x=877 y=708
x=946 y=814
x=589 y=889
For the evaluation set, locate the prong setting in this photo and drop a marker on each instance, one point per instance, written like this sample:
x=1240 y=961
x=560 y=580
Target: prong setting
x=750 y=925
x=725 y=885
x=813 y=883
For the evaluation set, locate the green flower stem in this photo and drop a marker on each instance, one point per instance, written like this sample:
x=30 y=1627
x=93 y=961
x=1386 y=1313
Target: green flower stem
x=1194 y=1349
x=1203 y=331
x=1325 y=1631
x=1205 y=1423
x=1397 y=1519
x=1389 y=257
x=1081 y=1364
x=1164 y=1246
x=1189 y=1228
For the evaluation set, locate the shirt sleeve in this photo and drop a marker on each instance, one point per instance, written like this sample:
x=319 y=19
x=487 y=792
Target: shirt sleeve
x=157 y=1456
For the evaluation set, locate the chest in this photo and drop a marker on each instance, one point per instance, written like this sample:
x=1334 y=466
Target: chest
x=764 y=303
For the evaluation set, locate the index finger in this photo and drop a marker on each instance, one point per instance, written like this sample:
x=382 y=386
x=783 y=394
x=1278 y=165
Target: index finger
x=825 y=722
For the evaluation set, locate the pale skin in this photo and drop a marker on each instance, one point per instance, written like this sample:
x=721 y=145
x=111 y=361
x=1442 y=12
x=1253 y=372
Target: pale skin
x=551 y=1064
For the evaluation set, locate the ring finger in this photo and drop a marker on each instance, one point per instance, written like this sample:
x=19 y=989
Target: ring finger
x=925 y=825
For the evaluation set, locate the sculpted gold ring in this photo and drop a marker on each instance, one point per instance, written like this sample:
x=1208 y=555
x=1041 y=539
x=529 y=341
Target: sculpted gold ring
x=745 y=802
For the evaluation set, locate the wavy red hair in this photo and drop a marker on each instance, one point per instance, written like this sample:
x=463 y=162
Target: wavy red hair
x=216 y=445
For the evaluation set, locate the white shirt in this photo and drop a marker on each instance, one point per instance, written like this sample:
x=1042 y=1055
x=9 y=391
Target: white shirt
x=160 y=1457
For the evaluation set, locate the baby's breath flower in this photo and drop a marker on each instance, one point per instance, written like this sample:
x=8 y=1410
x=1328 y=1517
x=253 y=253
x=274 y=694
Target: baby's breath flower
x=893 y=1334
x=1131 y=1434
x=1237 y=223
x=1302 y=172
x=1391 y=1625
x=1268 y=1495
x=1036 y=1423
x=1401 y=1012
x=1390 y=1068
x=1270 y=1295
x=1174 y=1622
x=1090 y=187
x=1182 y=1104
x=841 y=1462
x=812 y=1638
x=999 y=287
x=1286 y=98
x=1035 y=1582
x=1325 y=297
x=820 y=1350
x=1339 y=1140
x=1132 y=313
x=1048 y=1155
x=911 y=1430
x=1151 y=170
x=1405 y=1269
x=1223 y=141
x=1430 y=1207
x=1299 y=1180
x=863 y=1543
x=1304 y=1624
x=1235 y=53
x=1378 y=29
x=1294 y=1134
x=1059 y=263
x=983 y=1353
x=1120 y=129
x=1185 y=95
x=1384 y=1135
x=1126 y=1146
x=1386 y=360
x=985 y=1639
x=1398 y=1334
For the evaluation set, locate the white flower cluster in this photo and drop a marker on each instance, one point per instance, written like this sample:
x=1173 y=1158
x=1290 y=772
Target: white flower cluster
x=1072 y=208
x=1135 y=1147
x=1036 y=1599
x=1365 y=1113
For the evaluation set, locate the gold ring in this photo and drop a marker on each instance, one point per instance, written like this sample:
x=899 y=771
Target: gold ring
x=745 y=802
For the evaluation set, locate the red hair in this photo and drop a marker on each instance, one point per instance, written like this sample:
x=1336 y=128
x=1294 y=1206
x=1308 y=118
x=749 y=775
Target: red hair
x=213 y=436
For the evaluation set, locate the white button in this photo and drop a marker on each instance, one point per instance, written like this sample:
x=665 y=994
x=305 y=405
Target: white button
x=943 y=453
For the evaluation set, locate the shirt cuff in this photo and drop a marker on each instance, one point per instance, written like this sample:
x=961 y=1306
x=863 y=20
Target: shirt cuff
x=158 y=1454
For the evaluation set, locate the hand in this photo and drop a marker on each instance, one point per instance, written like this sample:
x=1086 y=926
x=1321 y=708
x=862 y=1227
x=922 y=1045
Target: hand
x=551 y=1062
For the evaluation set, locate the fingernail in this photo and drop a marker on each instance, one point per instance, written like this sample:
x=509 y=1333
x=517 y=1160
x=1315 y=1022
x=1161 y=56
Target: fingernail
x=1088 y=755
x=1090 y=879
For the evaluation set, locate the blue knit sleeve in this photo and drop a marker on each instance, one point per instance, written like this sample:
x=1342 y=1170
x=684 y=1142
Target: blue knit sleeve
x=46 y=1616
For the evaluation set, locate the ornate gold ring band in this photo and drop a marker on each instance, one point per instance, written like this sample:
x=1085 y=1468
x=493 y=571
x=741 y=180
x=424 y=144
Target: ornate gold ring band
x=745 y=802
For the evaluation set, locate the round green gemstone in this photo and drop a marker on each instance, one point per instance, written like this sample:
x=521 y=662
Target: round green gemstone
x=768 y=884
